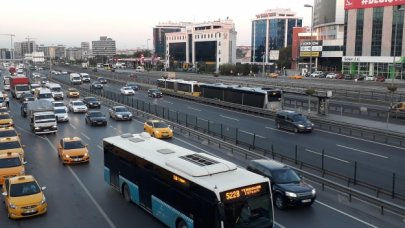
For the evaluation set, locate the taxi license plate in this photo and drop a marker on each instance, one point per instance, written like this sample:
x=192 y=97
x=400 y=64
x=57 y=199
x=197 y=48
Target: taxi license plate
x=77 y=159
x=46 y=129
x=306 y=200
x=29 y=211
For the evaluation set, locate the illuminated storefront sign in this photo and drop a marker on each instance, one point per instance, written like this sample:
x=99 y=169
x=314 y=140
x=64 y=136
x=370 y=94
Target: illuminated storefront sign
x=359 y=4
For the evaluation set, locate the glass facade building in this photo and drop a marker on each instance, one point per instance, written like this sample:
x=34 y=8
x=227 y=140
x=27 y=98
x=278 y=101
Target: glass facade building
x=272 y=30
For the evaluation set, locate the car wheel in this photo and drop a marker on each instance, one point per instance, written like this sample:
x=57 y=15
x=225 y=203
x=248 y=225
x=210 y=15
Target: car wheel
x=295 y=130
x=126 y=193
x=279 y=202
x=181 y=224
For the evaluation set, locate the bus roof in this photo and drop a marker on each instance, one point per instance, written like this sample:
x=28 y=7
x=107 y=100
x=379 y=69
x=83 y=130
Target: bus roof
x=208 y=171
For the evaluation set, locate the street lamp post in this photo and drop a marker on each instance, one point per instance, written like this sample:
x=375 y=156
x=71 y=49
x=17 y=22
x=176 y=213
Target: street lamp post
x=312 y=28
x=263 y=57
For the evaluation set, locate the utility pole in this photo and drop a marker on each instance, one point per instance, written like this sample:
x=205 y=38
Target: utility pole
x=11 y=44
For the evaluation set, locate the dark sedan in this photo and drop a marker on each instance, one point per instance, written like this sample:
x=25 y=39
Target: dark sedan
x=91 y=102
x=154 y=93
x=102 y=80
x=133 y=86
x=95 y=118
x=96 y=85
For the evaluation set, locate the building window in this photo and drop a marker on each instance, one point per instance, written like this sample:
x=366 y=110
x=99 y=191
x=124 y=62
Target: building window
x=398 y=20
x=358 y=45
x=376 y=36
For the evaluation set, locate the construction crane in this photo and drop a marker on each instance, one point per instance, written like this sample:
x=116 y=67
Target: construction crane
x=11 y=47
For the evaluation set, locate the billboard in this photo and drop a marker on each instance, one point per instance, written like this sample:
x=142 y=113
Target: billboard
x=359 y=4
x=305 y=48
x=273 y=55
x=308 y=54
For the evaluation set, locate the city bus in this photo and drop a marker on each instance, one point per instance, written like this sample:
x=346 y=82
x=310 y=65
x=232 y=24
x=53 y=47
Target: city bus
x=265 y=98
x=183 y=188
x=181 y=86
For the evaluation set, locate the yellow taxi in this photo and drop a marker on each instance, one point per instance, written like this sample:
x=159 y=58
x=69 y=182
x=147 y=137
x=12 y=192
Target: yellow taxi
x=11 y=144
x=9 y=132
x=297 y=76
x=11 y=165
x=158 y=129
x=5 y=120
x=72 y=150
x=23 y=197
x=73 y=93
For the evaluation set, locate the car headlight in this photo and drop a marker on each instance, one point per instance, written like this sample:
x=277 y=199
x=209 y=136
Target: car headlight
x=119 y=116
x=22 y=172
x=157 y=132
x=12 y=206
x=86 y=154
x=171 y=131
x=313 y=192
x=291 y=194
x=130 y=115
x=300 y=125
x=43 y=201
x=54 y=126
x=312 y=124
x=67 y=156
x=37 y=128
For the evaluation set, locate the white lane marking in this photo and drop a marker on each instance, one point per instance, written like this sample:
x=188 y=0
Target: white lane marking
x=365 y=140
x=84 y=135
x=100 y=209
x=344 y=213
x=361 y=151
x=278 y=224
x=227 y=117
x=275 y=129
x=73 y=126
x=314 y=152
x=167 y=102
x=113 y=127
x=195 y=109
x=100 y=147
x=250 y=133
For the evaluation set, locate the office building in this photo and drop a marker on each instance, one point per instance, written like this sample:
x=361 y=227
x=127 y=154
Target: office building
x=74 y=54
x=25 y=47
x=104 y=47
x=85 y=49
x=159 y=35
x=208 y=43
x=272 y=30
x=53 y=52
x=373 y=32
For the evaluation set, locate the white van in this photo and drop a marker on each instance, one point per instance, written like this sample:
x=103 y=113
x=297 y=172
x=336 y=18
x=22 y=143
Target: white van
x=56 y=90
x=75 y=78
x=85 y=77
x=43 y=94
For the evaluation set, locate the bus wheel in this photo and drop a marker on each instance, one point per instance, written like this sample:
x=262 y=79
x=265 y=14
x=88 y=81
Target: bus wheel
x=181 y=224
x=126 y=193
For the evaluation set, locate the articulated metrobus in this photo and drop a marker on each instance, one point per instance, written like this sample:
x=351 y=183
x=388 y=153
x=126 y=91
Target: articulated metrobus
x=191 y=88
x=266 y=98
x=183 y=188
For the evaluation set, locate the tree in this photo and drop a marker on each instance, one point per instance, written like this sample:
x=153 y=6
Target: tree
x=309 y=92
x=284 y=58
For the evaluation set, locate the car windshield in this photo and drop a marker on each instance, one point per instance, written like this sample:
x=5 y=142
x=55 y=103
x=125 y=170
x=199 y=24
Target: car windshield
x=298 y=117
x=22 y=87
x=78 y=103
x=96 y=114
x=72 y=90
x=101 y=79
x=10 y=162
x=60 y=110
x=24 y=189
x=44 y=117
x=160 y=125
x=57 y=104
x=4 y=116
x=90 y=99
x=56 y=89
x=10 y=133
x=121 y=109
x=45 y=95
x=154 y=91
x=73 y=145
x=9 y=145
x=283 y=176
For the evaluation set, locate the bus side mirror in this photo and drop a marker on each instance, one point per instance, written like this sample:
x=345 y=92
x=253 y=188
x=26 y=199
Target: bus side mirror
x=221 y=210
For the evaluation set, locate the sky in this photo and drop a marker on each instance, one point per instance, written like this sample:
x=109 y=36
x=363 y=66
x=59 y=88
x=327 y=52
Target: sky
x=129 y=23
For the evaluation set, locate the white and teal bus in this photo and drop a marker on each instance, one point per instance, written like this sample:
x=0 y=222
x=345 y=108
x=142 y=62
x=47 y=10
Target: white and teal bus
x=183 y=188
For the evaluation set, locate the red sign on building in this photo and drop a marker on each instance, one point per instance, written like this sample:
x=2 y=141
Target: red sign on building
x=359 y=4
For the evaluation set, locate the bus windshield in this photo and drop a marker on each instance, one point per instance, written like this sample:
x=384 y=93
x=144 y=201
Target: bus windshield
x=253 y=212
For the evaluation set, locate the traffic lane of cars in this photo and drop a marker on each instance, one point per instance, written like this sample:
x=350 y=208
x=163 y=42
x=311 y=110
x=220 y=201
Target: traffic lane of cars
x=334 y=144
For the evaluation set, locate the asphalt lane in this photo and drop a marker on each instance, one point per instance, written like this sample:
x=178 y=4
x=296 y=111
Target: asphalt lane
x=341 y=150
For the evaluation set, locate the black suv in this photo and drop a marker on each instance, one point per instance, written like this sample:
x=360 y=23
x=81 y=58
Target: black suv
x=294 y=121
x=287 y=187
x=154 y=93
